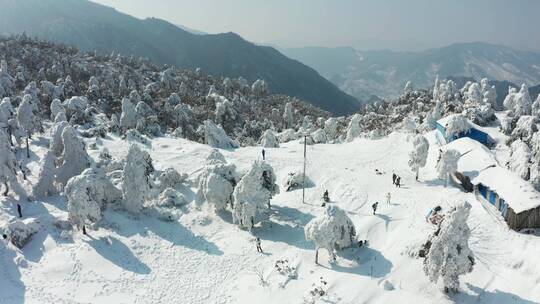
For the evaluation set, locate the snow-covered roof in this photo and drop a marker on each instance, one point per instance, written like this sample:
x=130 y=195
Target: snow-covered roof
x=479 y=164
x=443 y=121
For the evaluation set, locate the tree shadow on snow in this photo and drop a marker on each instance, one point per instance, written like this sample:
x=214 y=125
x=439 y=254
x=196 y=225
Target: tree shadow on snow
x=119 y=254
x=365 y=261
x=289 y=229
x=12 y=289
x=491 y=297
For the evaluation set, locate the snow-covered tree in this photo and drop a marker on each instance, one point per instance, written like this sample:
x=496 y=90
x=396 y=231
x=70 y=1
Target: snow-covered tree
x=27 y=120
x=215 y=136
x=217 y=182
x=457 y=124
x=449 y=255
x=331 y=128
x=418 y=156
x=523 y=101
x=510 y=100
x=56 y=108
x=448 y=164
x=170 y=178
x=520 y=157
x=408 y=87
x=319 y=136
x=353 y=130
x=88 y=194
x=253 y=194
x=536 y=108
x=269 y=139
x=56 y=144
x=259 y=88
x=288 y=115
x=45 y=184
x=128 y=118
x=74 y=158
x=524 y=129
x=489 y=94
x=137 y=181
x=332 y=231
x=8 y=168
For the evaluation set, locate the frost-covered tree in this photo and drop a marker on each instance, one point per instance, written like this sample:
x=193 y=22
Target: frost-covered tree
x=510 y=100
x=354 y=130
x=27 y=120
x=332 y=231
x=520 y=157
x=76 y=107
x=269 y=139
x=489 y=94
x=418 y=156
x=319 y=136
x=457 y=124
x=331 y=128
x=408 y=87
x=44 y=186
x=217 y=182
x=225 y=113
x=56 y=108
x=128 y=118
x=288 y=115
x=253 y=193
x=449 y=255
x=259 y=88
x=137 y=181
x=7 y=83
x=74 y=158
x=523 y=103
x=448 y=164
x=88 y=194
x=8 y=168
x=56 y=144
x=536 y=108
x=215 y=136
x=524 y=129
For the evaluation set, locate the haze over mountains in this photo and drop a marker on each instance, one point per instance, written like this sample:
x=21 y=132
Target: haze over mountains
x=91 y=26
x=385 y=73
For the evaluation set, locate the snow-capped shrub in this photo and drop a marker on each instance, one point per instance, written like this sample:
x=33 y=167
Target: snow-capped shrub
x=216 y=137
x=520 y=159
x=523 y=103
x=334 y=230
x=20 y=232
x=45 y=184
x=217 y=182
x=88 y=194
x=449 y=255
x=170 y=178
x=269 y=139
x=418 y=156
x=448 y=164
x=76 y=106
x=56 y=108
x=137 y=182
x=331 y=128
x=253 y=193
x=510 y=100
x=288 y=115
x=171 y=198
x=295 y=180
x=74 y=158
x=259 y=88
x=319 y=136
x=28 y=121
x=56 y=144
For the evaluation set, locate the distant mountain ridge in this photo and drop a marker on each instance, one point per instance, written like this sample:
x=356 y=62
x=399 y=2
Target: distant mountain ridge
x=90 y=26
x=384 y=73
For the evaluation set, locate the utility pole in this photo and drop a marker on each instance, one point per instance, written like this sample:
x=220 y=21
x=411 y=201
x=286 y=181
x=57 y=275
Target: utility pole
x=304 y=175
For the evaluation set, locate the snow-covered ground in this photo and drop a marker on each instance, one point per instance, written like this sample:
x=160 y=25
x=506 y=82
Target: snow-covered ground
x=205 y=258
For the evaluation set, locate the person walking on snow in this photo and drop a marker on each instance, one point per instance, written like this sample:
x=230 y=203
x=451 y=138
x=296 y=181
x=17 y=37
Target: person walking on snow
x=388 y=198
x=19 y=210
x=394 y=176
x=398 y=182
x=258 y=244
x=374 y=206
x=263 y=154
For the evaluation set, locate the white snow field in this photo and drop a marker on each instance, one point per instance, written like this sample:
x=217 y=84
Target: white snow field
x=205 y=258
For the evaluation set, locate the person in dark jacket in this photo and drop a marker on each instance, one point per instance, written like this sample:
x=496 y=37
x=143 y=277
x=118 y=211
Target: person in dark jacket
x=258 y=244
x=263 y=154
x=19 y=210
x=374 y=206
x=394 y=176
x=398 y=182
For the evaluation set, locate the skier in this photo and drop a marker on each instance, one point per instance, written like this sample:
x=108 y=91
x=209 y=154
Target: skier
x=258 y=244
x=394 y=176
x=84 y=229
x=398 y=182
x=374 y=206
x=388 y=198
x=19 y=210
x=263 y=154
x=326 y=198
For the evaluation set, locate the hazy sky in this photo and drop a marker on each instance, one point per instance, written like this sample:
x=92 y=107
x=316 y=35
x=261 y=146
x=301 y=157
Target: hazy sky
x=364 y=24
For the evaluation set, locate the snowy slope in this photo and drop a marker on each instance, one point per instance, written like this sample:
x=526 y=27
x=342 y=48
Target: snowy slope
x=204 y=258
